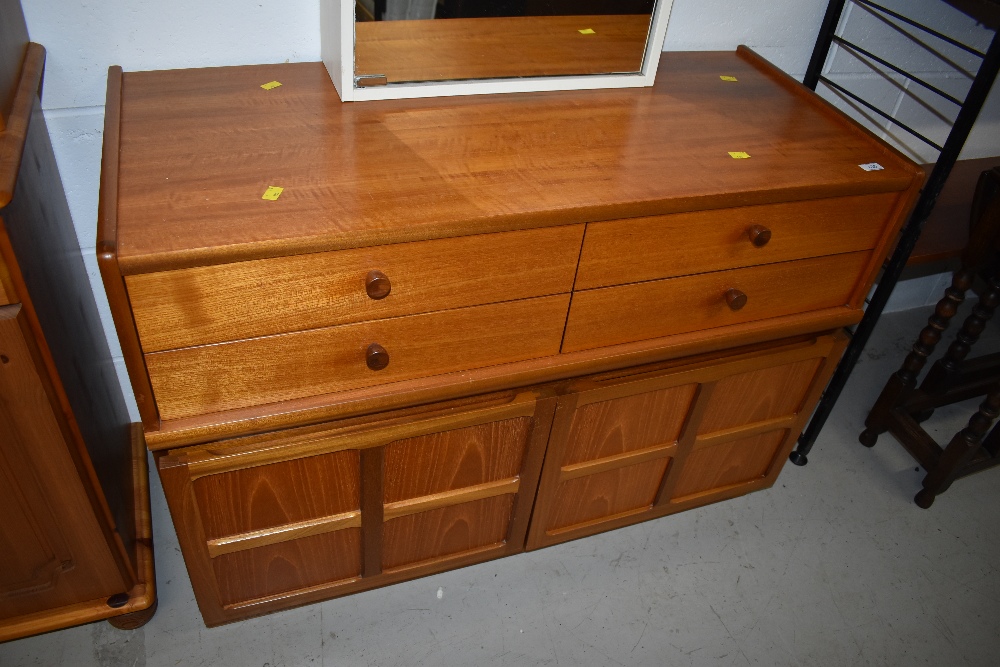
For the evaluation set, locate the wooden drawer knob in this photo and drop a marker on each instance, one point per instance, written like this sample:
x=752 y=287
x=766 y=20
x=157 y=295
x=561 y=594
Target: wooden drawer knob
x=759 y=235
x=377 y=285
x=735 y=298
x=376 y=357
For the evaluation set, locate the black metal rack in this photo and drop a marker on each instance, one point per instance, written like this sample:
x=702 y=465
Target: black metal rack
x=984 y=11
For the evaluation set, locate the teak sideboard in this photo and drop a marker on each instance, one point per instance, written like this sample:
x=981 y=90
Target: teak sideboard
x=467 y=327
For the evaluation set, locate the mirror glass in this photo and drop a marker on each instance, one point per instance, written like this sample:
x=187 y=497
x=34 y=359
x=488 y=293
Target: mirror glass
x=401 y=41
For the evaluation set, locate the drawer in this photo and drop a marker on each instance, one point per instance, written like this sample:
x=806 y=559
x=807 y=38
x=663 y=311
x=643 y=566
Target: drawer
x=212 y=304
x=226 y=376
x=626 y=313
x=629 y=251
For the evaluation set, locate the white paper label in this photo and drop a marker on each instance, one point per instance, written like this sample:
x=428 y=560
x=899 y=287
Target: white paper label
x=872 y=166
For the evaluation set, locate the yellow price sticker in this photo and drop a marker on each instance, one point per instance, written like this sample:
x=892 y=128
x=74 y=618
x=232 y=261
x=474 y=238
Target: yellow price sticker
x=588 y=31
x=738 y=155
x=272 y=193
x=270 y=85
x=728 y=78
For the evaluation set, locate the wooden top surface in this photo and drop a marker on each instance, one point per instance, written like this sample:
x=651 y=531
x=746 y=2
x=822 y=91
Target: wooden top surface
x=506 y=46
x=198 y=148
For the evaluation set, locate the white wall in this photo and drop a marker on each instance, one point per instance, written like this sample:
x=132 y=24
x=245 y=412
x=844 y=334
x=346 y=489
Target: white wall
x=84 y=37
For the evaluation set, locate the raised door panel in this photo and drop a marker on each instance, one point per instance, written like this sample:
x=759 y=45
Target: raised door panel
x=720 y=466
x=608 y=455
x=271 y=570
x=273 y=521
x=640 y=444
x=54 y=552
x=453 y=530
x=458 y=492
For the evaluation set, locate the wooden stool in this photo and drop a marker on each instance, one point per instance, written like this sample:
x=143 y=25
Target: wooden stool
x=902 y=405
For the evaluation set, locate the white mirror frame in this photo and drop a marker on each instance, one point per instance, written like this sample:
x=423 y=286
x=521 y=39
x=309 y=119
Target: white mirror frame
x=337 y=44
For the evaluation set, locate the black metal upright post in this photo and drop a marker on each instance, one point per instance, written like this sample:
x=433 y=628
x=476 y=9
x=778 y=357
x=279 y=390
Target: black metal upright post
x=908 y=239
x=823 y=42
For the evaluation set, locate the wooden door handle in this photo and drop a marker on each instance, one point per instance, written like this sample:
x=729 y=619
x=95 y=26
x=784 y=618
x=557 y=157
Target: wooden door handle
x=377 y=285
x=735 y=298
x=376 y=357
x=759 y=235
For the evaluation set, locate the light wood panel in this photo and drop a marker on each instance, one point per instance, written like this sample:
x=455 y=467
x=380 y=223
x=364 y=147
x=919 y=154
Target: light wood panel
x=614 y=315
x=277 y=368
x=759 y=395
x=233 y=301
x=715 y=468
x=462 y=458
x=637 y=457
x=629 y=251
x=446 y=531
x=288 y=566
x=627 y=424
x=262 y=497
x=606 y=494
x=493 y=47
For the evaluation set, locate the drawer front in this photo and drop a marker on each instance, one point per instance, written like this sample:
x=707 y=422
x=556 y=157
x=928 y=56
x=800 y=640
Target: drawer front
x=629 y=251
x=212 y=304
x=627 y=313
x=226 y=376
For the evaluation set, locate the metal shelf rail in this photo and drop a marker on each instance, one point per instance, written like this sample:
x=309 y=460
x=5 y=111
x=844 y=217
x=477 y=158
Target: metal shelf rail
x=984 y=11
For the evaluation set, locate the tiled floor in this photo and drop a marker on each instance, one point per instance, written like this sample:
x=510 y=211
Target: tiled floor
x=833 y=566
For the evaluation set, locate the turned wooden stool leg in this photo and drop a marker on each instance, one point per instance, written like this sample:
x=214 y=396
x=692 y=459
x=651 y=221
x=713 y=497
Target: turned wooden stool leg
x=960 y=450
x=903 y=381
x=943 y=371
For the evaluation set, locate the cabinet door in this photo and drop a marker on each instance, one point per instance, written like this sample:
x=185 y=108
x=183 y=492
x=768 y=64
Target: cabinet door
x=276 y=521
x=53 y=550
x=631 y=446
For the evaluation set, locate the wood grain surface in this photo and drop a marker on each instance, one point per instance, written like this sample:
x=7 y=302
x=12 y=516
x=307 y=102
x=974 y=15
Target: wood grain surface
x=627 y=424
x=629 y=251
x=507 y=46
x=50 y=538
x=262 y=497
x=606 y=494
x=288 y=566
x=446 y=531
x=461 y=458
x=266 y=370
x=622 y=314
x=213 y=304
x=734 y=462
x=759 y=395
x=199 y=148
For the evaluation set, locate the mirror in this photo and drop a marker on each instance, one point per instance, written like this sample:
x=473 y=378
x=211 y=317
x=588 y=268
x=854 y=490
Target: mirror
x=411 y=41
